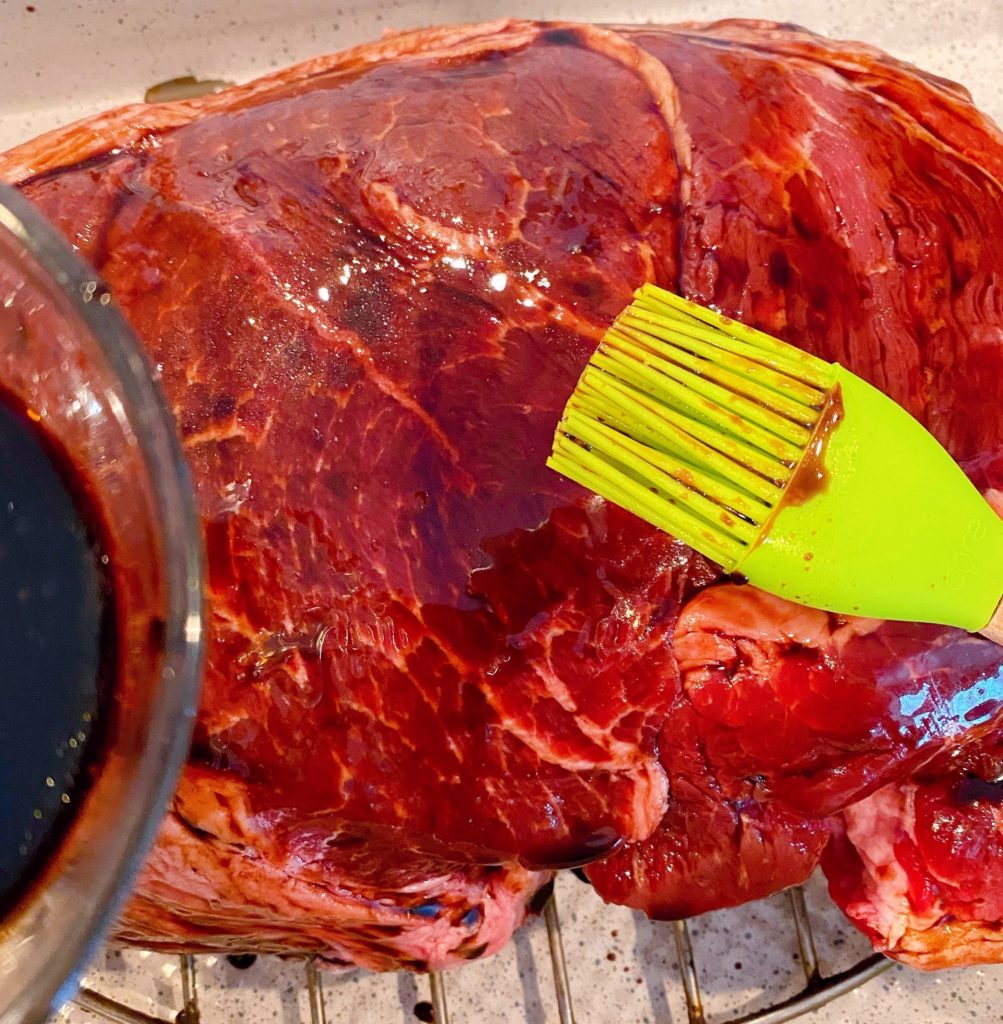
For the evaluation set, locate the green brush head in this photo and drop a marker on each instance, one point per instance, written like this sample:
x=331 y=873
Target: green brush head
x=693 y=422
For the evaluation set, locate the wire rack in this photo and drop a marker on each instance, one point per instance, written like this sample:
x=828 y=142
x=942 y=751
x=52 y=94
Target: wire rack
x=818 y=988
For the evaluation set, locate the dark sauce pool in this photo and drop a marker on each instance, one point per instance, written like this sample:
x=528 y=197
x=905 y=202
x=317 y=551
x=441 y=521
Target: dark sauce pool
x=57 y=644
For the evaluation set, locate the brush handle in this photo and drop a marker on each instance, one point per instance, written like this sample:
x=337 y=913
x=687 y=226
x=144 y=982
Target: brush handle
x=994 y=631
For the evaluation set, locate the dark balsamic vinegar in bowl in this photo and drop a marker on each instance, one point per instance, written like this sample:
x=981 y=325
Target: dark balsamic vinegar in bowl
x=58 y=640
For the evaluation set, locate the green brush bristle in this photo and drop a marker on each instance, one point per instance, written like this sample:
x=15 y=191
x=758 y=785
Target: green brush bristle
x=692 y=421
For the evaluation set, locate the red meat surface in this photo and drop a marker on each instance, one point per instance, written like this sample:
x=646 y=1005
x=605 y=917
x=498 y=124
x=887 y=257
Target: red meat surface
x=369 y=284
x=722 y=842
x=226 y=878
x=918 y=866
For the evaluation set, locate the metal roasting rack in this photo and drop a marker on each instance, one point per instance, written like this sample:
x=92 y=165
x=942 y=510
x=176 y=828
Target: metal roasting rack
x=818 y=989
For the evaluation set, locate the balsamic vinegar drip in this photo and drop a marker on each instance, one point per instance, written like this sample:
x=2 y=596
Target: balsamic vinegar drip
x=57 y=644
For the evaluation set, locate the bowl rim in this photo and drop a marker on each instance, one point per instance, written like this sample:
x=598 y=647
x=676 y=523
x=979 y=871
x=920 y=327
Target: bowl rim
x=38 y=980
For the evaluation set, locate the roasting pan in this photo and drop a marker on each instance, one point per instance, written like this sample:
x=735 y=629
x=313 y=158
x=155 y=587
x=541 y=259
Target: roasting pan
x=768 y=961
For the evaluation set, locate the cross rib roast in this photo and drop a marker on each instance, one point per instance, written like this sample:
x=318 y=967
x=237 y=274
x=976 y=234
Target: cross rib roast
x=437 y=671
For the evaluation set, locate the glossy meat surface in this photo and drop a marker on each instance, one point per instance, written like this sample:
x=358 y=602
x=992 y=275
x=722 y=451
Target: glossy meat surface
x=770 y=690
x=369 y=284
x=819 y=708
x=721 y=843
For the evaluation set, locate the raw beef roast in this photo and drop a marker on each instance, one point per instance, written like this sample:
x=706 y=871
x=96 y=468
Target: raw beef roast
x=437 y=670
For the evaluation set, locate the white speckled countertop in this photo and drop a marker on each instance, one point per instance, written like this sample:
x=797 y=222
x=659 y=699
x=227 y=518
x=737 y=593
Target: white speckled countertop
x=622 y=970
x=61 y=59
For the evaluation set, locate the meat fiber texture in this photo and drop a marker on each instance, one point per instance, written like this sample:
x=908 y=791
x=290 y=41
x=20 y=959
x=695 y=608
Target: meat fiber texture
x=436 y=670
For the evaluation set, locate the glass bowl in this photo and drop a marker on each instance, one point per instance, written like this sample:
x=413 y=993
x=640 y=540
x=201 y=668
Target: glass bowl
x=67 y=354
